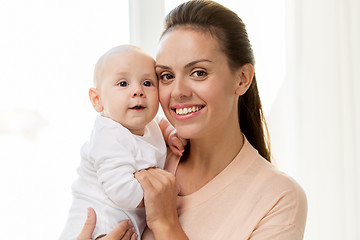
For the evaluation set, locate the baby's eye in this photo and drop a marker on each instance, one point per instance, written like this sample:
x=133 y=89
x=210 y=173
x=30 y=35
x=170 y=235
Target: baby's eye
x=199 y=73
x=147 y=83
x=123 y=84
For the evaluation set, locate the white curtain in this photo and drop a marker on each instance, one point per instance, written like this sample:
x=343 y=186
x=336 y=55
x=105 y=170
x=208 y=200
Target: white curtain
x=314 y=119
x=314 y=122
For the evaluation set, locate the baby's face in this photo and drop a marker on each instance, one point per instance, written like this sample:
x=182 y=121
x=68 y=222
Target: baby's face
x=128 y=89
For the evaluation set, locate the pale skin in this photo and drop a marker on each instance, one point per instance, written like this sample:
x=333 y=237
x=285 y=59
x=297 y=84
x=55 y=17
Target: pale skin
x=125 y=77
x=126 y=88
x=199 y=76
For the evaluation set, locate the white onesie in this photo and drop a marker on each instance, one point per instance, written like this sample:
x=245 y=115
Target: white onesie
x=106 y=176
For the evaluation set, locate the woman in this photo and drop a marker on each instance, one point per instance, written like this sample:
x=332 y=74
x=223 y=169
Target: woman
x=224 y=186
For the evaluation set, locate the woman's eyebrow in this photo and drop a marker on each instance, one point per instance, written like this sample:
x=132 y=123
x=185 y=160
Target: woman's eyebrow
x=186 y=66
x=162 y=66
x=196 y=61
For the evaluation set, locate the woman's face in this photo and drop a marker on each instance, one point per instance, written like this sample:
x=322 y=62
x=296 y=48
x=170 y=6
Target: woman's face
x=197 y=89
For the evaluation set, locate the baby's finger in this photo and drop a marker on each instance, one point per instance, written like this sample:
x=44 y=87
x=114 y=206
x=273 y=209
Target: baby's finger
x=176 y=151
x=177 y=143
x=183 y=141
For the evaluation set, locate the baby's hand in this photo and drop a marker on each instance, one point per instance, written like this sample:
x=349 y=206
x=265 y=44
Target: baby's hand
x=173 y=140
x=176 y=143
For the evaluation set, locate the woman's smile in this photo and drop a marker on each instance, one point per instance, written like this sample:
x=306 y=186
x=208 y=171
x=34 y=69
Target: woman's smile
x=186 y=112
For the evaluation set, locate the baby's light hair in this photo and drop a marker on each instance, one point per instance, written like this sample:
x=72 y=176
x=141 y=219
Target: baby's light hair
x=99 y=66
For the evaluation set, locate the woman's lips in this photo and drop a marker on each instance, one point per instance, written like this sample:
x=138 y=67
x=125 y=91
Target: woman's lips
x=185 y=112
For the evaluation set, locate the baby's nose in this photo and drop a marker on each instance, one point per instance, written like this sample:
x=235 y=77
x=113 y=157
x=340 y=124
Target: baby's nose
x=138 y=93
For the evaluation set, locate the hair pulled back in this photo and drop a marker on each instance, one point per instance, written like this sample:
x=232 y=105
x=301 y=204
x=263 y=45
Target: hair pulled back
x=229 y=29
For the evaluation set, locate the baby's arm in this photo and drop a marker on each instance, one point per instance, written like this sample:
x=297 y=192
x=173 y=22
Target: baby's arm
x=117 y=179
x=173 y=140
x=114 y=160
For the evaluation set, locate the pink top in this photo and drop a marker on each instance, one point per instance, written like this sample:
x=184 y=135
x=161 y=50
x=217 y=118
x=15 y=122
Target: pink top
x=249 y=199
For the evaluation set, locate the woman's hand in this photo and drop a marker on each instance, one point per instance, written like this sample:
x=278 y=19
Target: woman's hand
x=123 y=231
x=160 y=193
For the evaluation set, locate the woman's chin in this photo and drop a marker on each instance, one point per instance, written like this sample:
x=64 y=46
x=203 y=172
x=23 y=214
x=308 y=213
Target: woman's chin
x=188 y=131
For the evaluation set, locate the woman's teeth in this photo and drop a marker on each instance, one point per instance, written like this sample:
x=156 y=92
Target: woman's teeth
x=184 y=111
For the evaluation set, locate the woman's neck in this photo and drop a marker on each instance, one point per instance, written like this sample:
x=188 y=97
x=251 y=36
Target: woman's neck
x=215 y=151
x=207 y=157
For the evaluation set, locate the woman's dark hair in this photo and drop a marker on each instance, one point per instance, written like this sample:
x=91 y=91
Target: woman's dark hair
x=229 y=29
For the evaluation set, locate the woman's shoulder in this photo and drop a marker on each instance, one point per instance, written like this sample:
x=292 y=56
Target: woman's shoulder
x=270 y=179
x=275 y=185
x=279 y=190
x=267 y=173
x=279 y=196
x=274 y=177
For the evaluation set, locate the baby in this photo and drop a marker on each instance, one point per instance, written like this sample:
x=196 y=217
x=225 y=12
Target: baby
x=125 y=139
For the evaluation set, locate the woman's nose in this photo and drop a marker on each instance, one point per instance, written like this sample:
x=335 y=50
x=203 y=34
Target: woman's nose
x=181 y=89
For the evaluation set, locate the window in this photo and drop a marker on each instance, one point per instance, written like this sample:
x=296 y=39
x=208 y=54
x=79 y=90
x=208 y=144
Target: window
x=48 y=52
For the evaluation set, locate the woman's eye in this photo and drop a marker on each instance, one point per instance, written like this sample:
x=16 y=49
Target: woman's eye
x=199 y=73
x=147 y=83
x=166 y=77
x=123 y=84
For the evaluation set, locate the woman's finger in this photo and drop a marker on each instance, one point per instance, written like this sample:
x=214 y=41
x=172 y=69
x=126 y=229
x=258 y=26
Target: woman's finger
x=160 y=174
x=150 y=179
x=153 y=177
x=134 y=236
x=160 y=191
x=123 y=231
x=89 y=226
x=129 y=233
x=143 y=179
x=155 y=181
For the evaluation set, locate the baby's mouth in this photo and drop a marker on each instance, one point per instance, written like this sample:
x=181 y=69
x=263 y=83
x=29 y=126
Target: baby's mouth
x=137 y=107
x=187 y=110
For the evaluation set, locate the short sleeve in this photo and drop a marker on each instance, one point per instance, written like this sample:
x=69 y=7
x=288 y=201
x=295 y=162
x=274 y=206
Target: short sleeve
x=286 y=219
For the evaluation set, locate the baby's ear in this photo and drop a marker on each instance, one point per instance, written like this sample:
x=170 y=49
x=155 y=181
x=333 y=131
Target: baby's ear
x=245 y=76
x=95 y=99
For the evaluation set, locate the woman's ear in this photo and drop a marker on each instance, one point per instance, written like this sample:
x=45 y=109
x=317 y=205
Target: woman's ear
x=95 y=99
x=245 y=75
